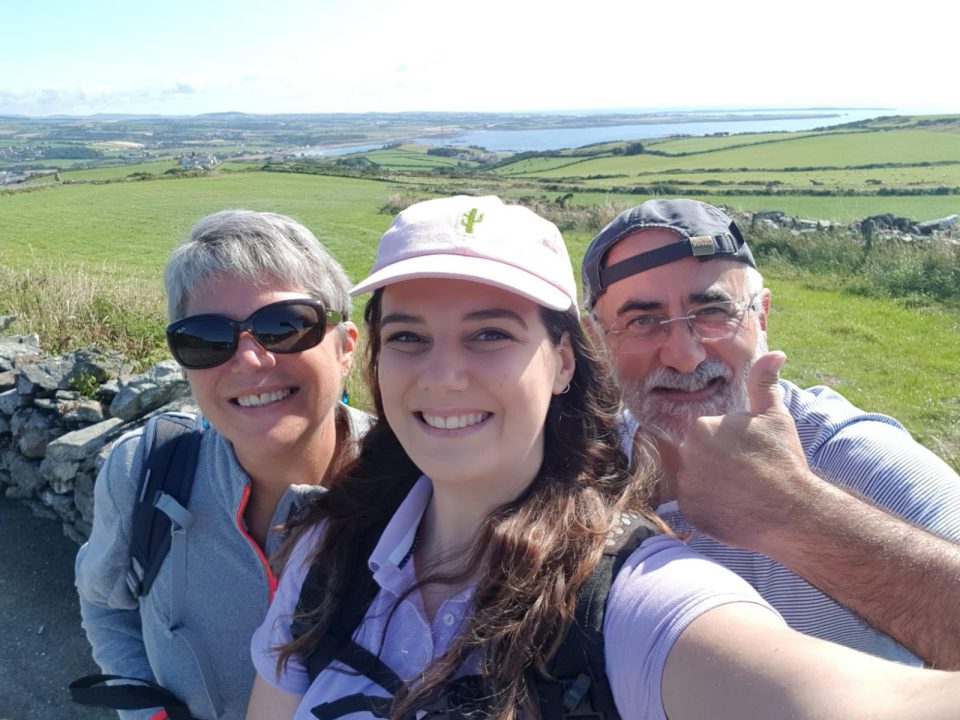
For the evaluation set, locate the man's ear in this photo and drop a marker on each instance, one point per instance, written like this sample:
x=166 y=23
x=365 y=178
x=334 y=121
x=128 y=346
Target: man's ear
x=764 y=308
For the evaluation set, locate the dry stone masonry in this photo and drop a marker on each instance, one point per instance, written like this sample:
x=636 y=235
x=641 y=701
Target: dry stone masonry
x=59 y=416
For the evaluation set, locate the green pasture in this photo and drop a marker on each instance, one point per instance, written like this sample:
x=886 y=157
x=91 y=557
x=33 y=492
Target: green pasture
x=116 y=172
x=51 y=164
x=859 y=179
x=536 y=165
x=880 y=354
x=122 y=228
x=114 y=238
x=836 y=208
x=413 y=157
x=709 y=143
x=844 y=150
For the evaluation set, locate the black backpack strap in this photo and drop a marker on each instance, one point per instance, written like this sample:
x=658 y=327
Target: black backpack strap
x=337 y=644
x=171 y=452
x=356 y=703
x=577 y=686
x=134 y=694
x=171 y=447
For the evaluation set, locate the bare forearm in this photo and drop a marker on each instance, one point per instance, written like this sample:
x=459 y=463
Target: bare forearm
x=734 y=662
x=900 y=578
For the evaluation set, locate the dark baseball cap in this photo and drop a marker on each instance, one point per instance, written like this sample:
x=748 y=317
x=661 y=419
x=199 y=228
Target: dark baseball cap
x=706 y=233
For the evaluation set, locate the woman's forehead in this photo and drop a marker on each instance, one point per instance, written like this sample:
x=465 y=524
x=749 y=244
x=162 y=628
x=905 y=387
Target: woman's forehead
x=444 y=295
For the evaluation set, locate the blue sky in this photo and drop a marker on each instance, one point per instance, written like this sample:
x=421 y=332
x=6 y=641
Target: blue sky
x=184 y=57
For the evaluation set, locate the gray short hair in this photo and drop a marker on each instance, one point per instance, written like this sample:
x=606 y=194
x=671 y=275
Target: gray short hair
x=260 y=247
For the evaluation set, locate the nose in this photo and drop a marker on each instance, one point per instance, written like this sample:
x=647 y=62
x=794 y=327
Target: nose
x=681 y=350
x=444 y=369
x=251 y=355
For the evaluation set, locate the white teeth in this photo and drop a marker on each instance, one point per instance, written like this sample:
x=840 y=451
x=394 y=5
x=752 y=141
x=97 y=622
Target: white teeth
x=454 y=422
x=262 y=398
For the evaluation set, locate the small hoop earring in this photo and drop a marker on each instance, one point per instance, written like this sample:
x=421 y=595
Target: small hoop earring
x=565 y=390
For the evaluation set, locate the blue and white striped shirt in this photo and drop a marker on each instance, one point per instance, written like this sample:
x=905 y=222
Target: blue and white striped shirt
x=875 y=456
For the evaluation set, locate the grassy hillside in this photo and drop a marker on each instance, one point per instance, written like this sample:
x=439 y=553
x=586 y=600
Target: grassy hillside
x=80 y=261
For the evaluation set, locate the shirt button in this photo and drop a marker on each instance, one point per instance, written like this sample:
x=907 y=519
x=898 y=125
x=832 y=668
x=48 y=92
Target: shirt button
x=448 y=619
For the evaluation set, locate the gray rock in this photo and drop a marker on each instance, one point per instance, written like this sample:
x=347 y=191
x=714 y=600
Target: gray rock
x=159 y=385
x=15 y=349
x=61 y=504
x=73 y=409
x=84 y=443
x=44 y=377
x=25 y=476
x=33 y=429
x=99 y=365
x=945 y=223
x=83 y=412
x=109 y=390
x=11 y=401
x=65 y=372
x=59 y=474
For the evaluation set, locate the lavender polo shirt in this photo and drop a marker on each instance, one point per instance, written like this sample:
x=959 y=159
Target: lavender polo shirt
x=662 y=587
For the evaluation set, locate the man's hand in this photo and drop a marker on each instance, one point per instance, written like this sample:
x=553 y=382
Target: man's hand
x=742 y=475
x=744 y=480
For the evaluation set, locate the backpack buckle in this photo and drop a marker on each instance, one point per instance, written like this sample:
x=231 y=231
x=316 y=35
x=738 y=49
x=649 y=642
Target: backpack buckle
x=576 y=700
x=134 y=577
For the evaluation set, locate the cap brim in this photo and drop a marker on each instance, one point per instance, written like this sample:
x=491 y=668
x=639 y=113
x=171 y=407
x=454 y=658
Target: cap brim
x=471 y=269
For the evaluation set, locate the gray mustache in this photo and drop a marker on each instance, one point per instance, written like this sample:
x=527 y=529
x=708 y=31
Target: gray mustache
x=705 y=373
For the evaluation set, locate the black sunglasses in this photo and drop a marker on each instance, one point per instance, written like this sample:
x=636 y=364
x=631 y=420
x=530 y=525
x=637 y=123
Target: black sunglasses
x=288 y=326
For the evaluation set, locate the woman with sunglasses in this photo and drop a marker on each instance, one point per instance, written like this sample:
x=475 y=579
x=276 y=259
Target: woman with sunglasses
x=479 y=508
x=259 y=313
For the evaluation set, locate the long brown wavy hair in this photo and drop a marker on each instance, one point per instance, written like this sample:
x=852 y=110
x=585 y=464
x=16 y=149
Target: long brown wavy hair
x=536 y=550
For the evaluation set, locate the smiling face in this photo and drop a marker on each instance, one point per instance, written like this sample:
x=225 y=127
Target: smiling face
x=269 y=405
x=466 y=374
x=668 y=386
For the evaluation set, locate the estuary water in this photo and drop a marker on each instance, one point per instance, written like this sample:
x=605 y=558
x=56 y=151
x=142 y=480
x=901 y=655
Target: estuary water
x=745 y=121
x=661 y=123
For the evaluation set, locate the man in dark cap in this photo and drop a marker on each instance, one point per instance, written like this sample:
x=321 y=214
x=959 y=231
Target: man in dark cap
x=837 y=516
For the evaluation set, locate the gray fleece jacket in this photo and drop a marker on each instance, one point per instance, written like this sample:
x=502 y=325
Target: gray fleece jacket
x=229 y=583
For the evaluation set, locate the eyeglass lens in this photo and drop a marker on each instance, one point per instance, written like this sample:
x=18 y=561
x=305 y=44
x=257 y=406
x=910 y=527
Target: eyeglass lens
x=208 y=340
x=712 y=322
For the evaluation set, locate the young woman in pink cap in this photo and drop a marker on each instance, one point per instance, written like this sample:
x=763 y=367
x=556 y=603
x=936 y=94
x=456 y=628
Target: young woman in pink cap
x=468 y=564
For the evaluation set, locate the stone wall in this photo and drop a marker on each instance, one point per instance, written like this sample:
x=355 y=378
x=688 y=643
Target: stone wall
x=59 y=416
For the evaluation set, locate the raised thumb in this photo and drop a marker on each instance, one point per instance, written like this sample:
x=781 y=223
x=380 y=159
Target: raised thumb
x=762 y=382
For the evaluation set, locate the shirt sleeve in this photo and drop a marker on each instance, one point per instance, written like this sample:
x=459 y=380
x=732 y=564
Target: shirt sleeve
x=275 y=629
x=662 y=587
x=109 y=611
x=885 y=464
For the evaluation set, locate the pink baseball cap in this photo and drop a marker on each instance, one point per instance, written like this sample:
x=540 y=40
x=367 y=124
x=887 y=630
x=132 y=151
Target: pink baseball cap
x=479 y=239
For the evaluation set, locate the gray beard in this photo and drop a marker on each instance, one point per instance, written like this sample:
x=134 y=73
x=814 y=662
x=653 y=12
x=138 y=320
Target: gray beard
x=672 y=419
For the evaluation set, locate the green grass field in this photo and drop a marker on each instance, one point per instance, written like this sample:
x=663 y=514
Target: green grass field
x=879 y=354
x=132 y=226
x=839 y=150
x=117 y=172
x=87 y=253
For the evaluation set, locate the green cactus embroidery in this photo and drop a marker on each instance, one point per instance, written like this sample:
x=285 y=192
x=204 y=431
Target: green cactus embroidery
x=470 y=219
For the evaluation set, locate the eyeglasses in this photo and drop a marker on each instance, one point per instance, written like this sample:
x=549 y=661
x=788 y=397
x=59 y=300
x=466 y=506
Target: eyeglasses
x=708 y=323
x=288 y=326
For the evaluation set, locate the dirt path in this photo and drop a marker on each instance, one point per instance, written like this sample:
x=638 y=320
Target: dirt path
x=42 y=647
